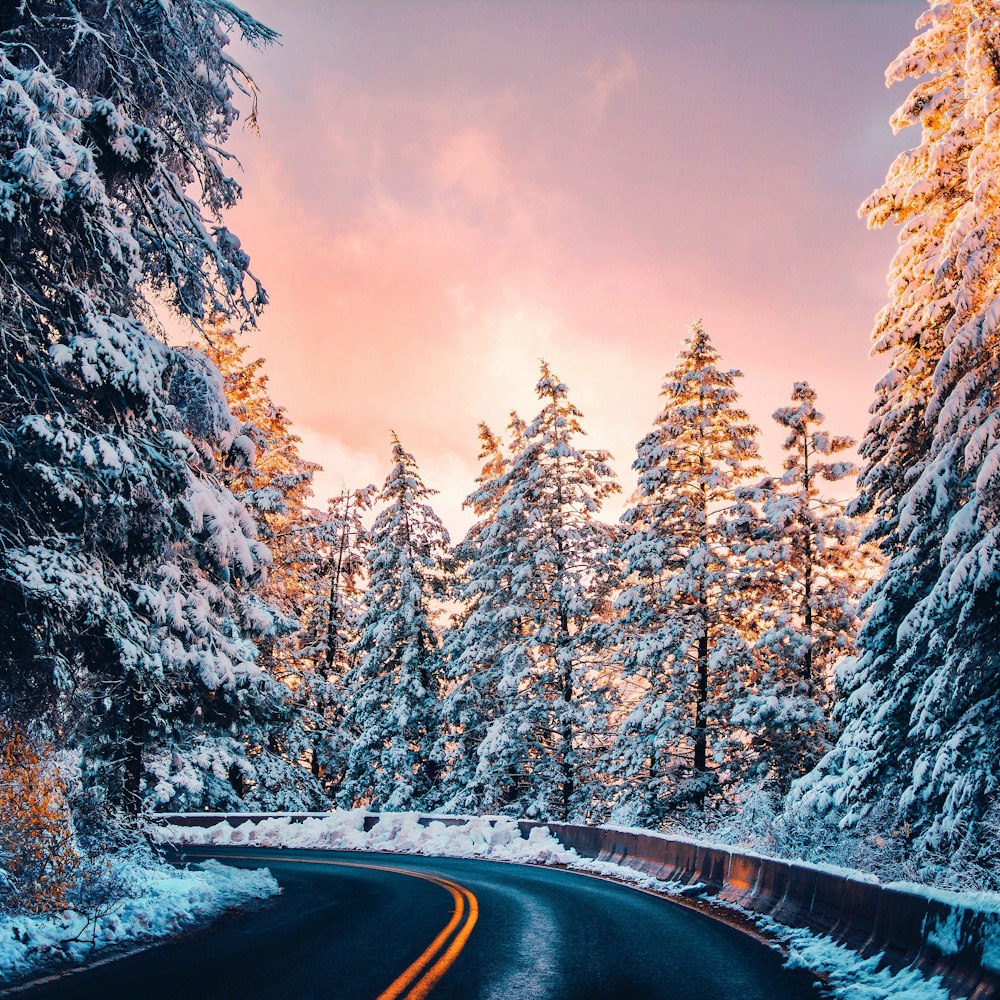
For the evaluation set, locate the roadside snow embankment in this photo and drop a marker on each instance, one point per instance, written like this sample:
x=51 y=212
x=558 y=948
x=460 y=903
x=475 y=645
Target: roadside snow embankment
x=343 y=830
x=160 y=901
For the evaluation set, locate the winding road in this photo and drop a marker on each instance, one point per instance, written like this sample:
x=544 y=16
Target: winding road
x=381 y=926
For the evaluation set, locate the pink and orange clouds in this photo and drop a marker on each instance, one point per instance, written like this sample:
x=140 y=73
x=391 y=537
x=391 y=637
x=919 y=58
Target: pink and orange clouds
x=443 y=193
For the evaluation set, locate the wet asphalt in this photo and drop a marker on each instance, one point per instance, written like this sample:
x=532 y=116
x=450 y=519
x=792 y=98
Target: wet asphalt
x=349 y=932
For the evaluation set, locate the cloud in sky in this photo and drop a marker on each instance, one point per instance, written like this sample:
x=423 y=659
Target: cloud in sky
x=607 y=78
x=432 y=211
x=472 y=162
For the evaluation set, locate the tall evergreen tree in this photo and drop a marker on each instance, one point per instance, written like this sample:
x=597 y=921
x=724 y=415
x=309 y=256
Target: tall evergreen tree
x=393 y=690
x=482 y=775
x=526 y=655
x=922 y=711
x=808 y=580
x=126 y=569
x=681 y=635
x=329 y=635
x=274 y=483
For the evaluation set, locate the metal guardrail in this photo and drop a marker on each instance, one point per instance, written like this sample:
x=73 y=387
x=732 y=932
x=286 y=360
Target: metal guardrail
x=909 y=928
x=939 y=936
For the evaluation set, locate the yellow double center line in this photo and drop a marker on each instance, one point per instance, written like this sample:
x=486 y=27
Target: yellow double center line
x=422 y=975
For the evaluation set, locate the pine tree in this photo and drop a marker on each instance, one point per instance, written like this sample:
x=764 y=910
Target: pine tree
x=487 y=499
x=681 y=634
x=274 y=483
x=921 y=710
x=329 y=636
x=393 y=691
x=275 y=486
x=808 y=568
x=487 y=660
x=526 y=656
x=126 y=570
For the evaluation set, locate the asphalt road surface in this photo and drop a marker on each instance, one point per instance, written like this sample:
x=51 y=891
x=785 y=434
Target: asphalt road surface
x=386 y=926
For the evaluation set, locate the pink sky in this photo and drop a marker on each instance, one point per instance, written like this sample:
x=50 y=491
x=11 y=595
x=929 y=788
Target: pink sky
x=443 y=193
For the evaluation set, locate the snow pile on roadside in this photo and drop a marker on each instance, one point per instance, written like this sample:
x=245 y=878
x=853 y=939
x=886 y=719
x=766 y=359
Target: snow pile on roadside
x=162 y=901
x=634 y=877
x=497 y=839
x=849 y=975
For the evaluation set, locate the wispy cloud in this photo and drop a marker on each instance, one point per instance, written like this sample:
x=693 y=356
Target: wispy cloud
x=607 y=76
x=431 y=220
x=472 y=162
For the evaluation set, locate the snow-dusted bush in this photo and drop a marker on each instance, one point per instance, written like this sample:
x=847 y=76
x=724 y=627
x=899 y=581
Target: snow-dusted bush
x=40 y=866
x=878 y=845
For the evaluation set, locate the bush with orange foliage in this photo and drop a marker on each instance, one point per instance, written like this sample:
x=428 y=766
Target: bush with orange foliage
x=39 y=862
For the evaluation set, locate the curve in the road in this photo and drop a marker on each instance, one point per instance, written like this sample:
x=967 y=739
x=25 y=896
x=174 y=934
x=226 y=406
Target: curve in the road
x=343 y=930
x=466 y=913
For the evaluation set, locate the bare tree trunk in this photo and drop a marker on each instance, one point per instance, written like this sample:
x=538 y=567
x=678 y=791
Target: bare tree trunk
x=701 y=700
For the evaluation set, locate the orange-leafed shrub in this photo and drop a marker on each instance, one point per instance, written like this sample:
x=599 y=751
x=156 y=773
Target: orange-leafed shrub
x=39 y=863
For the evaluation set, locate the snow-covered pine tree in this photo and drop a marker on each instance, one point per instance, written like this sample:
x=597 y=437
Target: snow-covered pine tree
x=486 y=658
x=681 y=636
x=921 y=712
x=393 y=690
x=561 y=488
x=526 y=658
x=125 y=568
x=275 y=487
x=486 y=500
x=808 y=578
x=329 y=634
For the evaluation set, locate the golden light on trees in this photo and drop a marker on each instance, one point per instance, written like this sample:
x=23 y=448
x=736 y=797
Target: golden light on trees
x=37 y=850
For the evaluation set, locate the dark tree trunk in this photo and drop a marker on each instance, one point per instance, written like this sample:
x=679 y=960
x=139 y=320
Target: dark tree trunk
x=238 y=781
x=700 y=726
x=807 y=663
x=133 y=751
x=568 y=783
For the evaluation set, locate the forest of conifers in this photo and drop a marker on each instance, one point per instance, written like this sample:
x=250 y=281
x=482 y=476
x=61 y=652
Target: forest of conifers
x=775 y=657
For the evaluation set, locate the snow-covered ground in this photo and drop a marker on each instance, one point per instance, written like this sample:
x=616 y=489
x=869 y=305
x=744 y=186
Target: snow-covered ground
x=848 y=974
x=162 y=901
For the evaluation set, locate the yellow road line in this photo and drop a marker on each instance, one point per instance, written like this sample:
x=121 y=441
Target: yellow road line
x=441 y=966
x=426 y=982
x=400 y=984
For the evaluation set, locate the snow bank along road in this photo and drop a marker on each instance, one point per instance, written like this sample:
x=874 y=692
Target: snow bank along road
x=385 y=926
